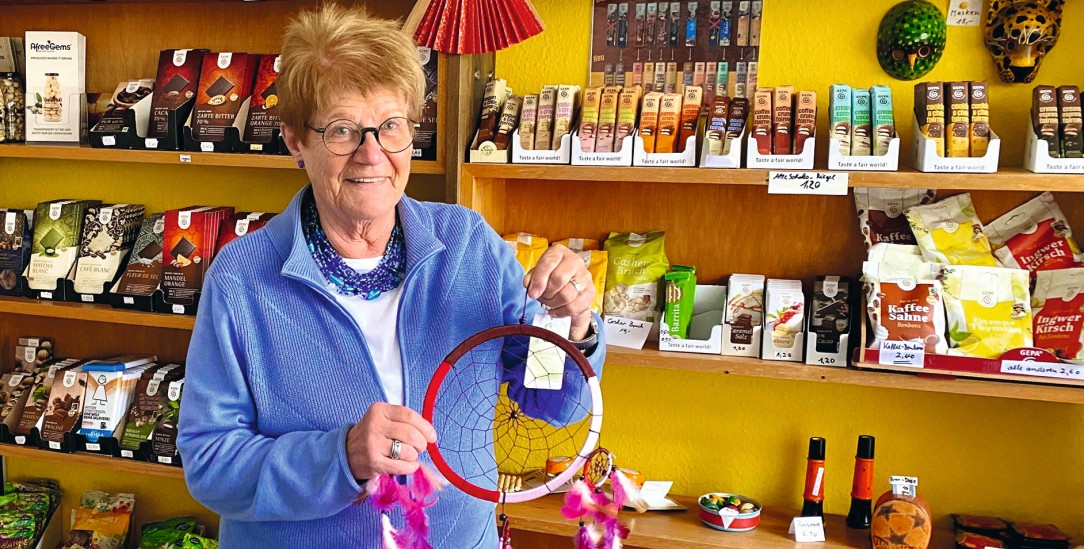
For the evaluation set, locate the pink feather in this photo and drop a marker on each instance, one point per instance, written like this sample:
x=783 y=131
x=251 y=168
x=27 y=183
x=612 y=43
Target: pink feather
x=614 y=533
x=578 y=501
x=383 y=492
x=423 y=484
x=417 y=526
x=626 y=492
x=586 y=538
x=603 y=506
x=390 y=539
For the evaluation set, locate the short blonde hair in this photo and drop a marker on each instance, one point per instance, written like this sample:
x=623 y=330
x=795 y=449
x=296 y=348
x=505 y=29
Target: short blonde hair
x=336 y=49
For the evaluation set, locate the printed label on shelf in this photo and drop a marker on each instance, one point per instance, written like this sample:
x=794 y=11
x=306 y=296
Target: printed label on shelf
x=109 y=140
x=207 y=146
x=1042 y=369
x=86 y=298
x=186 y=159
x=165 y=459
x=963 y=14
x=626 y=332
x=20 y=440
x=54 y=445
x=128 y=300
x=94 y=447
x=903 y=353
x=126 y=454
x=807 y=529
x=256 y=146
x=823 y=183
x=178 y=309
x=151 y=143
x=47 y=295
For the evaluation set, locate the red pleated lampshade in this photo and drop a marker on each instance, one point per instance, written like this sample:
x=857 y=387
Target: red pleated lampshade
x=472 y=26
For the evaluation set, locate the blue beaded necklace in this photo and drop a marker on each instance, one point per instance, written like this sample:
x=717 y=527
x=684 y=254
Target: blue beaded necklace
x=343 y=279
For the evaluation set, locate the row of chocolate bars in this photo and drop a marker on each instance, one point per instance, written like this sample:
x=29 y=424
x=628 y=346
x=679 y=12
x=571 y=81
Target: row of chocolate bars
x=124 y=406
x=83 y=250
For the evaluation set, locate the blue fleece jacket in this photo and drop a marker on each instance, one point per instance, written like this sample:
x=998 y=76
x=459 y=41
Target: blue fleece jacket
x=278 y=372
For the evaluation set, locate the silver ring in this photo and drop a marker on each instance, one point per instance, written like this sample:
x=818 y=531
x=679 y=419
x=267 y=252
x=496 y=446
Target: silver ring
x=396 y=447
x=576 y=284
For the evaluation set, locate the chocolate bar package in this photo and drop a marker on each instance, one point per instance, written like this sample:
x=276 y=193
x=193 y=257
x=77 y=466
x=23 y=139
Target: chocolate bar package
x=957 y=143
x=839 y=109
x=980 y=119
x=762 y=120
x=1072 y=146
x=108 y=235
x=607 y=119
x=16 y=235
x=38 y=401
x=690 y=115
x=263 y=110
x=739 y=109
x=1044 y=117
x=143 y=273
x=715 y=132
x=563 y=112
x=150 y=402
x=239 y=225
x=884 y=122
x=110 y=387
x=669 y=123
x=189 y=245
x=543 y=130
x=225 y=82
x=175 y=85
x=805 y=118
x=930 y=113
x=125 y=97
x=64 y=411
x=592 y=97
x=58 y=231
x=861 y=123
x=492 y=101
x=32 y=352
x=507 y=122
x=164 y=436
x=628 y=107
x=649 y=120
x=830 y=315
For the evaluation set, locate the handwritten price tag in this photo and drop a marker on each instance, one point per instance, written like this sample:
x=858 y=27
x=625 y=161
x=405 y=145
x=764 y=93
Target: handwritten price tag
x=1042 y=369
x=963 y=13
x=822 y=183
x=805 y=529
x=904 y=486
x=902 y=353
x=625 y=332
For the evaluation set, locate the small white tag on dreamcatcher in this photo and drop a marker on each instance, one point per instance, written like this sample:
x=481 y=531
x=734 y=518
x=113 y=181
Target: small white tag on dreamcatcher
x=545 y=361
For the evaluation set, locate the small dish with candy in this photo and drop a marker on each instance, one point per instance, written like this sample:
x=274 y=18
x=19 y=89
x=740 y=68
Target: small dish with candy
x=729 y=512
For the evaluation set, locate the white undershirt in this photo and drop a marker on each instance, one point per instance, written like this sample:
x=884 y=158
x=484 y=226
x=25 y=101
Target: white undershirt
x=379 y=320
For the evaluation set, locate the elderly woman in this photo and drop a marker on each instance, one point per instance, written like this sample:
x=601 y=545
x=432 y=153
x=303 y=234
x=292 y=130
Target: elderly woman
x=318 y=335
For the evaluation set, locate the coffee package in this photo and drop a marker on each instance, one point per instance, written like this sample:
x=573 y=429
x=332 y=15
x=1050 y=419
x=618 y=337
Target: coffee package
x=16 y=236
x=744 y=315
x=189 y=244
x=830 y=317
x=528 y=247
x=110 y=388
x=239 y=225
x=149 y=402
x=988 y=308
x=1035 y=236
x=58 y=231
x=109 y=231
x=881 y=213
x=637 y=263
x=1058 y=307
x=174 y=87
x=263 y=111
x=39 y=399
x=225 y=85
x=143 y=273
x=65 y=408
x=784 y=322
x=950 y=232
x=164 y=435
x=904 y=299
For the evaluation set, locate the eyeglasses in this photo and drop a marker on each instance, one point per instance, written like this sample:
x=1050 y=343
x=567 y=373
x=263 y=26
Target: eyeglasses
x=343 y=137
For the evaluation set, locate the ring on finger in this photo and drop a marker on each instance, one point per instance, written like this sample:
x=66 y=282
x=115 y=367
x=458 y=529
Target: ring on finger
x=396 y=448
x=576 y=284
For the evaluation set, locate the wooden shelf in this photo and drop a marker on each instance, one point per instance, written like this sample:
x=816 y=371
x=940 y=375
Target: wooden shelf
x=92 y=460
x=1008 y=179
x=94 y=313
x=752 y=367
x=186 y=158
x=683 y=528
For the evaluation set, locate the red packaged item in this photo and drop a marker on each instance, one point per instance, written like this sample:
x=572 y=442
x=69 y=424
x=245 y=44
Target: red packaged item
x=971 y=540
x=187 y=249
x=175 y=85
x=1057 y=306
x=225 y=84
x=1035 y=236
x=263 y=110
x=239 y=225
x=1048 y=534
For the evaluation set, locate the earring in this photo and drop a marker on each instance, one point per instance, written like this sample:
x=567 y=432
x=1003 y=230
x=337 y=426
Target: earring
x=301 y=164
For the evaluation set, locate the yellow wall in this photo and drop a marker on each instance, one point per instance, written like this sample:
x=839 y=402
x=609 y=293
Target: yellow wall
x=1015 y=459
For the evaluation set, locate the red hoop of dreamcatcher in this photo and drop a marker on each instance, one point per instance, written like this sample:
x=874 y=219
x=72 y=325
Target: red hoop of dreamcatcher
x=509 y=425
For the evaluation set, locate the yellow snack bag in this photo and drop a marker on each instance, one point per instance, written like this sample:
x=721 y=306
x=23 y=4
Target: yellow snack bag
x=596 y=261
x=950 y=232
x=528 y=248
x=988 y=309
x=579 y=244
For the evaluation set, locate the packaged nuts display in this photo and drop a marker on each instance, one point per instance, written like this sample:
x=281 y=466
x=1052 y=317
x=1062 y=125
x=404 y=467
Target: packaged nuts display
x=637 y=264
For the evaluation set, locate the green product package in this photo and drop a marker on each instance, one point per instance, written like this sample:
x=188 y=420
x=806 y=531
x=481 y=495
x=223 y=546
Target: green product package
x=637 y=263
x=680 y=289
x=166 y=534
x=192 y=541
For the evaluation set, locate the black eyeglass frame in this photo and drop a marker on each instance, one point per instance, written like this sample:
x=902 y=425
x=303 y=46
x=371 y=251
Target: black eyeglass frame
x=364 y=130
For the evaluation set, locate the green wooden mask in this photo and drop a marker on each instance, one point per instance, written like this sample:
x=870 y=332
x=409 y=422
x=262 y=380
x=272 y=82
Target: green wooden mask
x=911 y=39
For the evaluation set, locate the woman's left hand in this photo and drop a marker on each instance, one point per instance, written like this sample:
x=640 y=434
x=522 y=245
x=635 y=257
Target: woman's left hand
x=561 y=282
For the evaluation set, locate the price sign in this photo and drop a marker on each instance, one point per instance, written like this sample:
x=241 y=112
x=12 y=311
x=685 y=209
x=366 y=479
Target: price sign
x=1042 y=369
x=806 y=182
x=94 y=447
x=963 y=13
x=626 y=332
x=902 y=353
x=806 y=529
x=904 y=486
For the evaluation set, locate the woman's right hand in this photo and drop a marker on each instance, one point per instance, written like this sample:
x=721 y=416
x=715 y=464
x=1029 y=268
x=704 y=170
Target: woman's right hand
x=369 y=442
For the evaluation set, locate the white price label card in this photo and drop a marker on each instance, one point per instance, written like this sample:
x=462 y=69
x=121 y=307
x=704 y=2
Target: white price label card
x=546 y=361
x=94 y=447
x=127 y=454
x=904 y=486
x=47 y=295
x=178 y=309
x=805 y=529
x=109 y=140
x=626 y=332
x=207 y=146
x=165 y=459
x=128 y=300
x=86 y=298
x=903 y=353
x=20 y=440
x=806 y=182
x=186 y=159
x=654 y=492
x=151 y=143
x=963 y=13
x=1042 y=369
x=54 y=445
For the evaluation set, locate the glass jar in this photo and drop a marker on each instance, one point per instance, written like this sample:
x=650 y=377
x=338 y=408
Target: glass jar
x=12 y=109
x=52 y=102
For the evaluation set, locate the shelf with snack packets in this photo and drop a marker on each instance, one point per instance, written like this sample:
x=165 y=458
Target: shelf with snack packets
x=183 y=158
